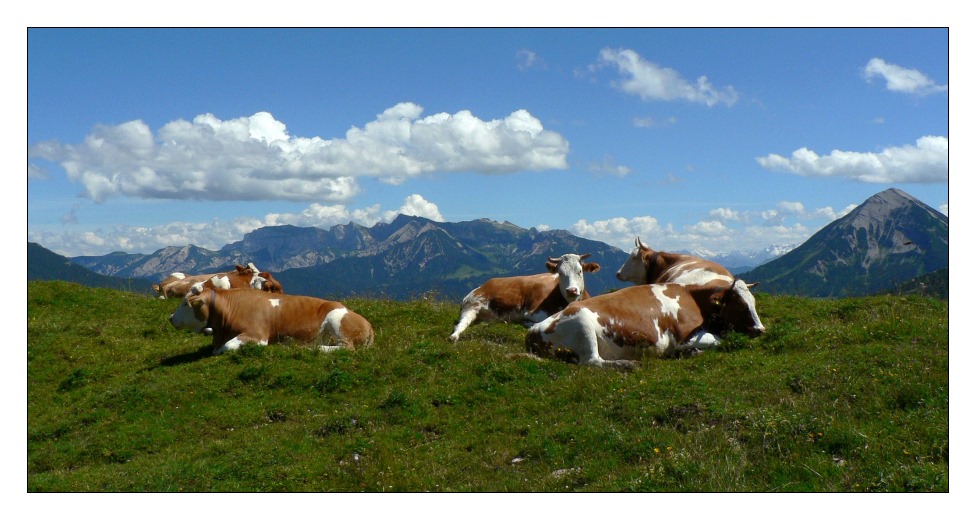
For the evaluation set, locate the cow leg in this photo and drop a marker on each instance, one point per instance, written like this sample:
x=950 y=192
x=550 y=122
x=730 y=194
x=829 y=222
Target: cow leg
x=469 y=314
x=589 y=337
x=699 y=341
x=235 y=343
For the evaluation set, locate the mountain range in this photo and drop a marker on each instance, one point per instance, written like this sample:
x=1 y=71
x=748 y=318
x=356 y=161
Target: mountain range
x=880 y=246
x=405 y=258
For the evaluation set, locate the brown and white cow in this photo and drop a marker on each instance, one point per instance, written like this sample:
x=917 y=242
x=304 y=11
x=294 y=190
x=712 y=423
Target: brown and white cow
x=646 y=265
x=177 y=285
x=527 y=299
x=244 y=278
x=620 y=328
x=238 y=316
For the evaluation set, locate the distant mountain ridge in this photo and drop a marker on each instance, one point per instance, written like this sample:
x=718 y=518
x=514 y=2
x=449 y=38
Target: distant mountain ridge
x=44 y=264
x=889 y=239
x=405 y=258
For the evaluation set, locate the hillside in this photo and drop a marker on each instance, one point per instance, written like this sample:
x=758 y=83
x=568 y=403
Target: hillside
x=934 y=284
x=837 y=396
x=43 y=264
x=889 y=239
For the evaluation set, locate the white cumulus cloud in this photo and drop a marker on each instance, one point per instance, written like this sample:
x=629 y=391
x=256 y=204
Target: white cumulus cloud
x=925 y=161
x=651 y=81
x=900 y=79
x=255 y=158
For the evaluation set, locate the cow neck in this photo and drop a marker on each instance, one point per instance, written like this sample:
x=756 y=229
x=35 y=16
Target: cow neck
x=651 y=266
x=714 y=323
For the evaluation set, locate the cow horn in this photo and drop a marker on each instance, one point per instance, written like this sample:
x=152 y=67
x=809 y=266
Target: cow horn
x=641 y=244
x=584 y=257
x=554 y=260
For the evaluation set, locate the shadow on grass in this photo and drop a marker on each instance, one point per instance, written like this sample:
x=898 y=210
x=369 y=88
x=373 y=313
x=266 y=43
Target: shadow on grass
x=187 y=357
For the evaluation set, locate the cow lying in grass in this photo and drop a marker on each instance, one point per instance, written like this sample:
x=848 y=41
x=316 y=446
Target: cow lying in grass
x=619 y=328
x=177 y=285
x=527 y=299
x=238 y=316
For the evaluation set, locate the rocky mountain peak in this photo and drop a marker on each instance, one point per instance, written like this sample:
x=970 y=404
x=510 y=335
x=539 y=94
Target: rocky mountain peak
x=890 y=238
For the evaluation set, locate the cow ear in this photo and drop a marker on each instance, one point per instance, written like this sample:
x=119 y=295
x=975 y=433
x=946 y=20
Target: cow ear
x=718 y=299
x=591 y=267
x=552 y=266
x=195 y=302
x=241 y=269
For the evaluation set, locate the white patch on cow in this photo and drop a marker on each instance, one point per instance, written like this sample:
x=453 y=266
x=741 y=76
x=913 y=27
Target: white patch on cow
x=665 y=342
x=184 y=318
x=178 y=276
x=257 y=282
x=699 y=276
x=742 y=291
x=233 y=344
x=251 y=266
x=275 y=302
x=332 y=324
x=220 y=282
x=196 y=289
x=577 y=332
x=669 y=305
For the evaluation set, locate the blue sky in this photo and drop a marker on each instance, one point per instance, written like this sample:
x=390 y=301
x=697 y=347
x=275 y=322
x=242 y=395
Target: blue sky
x=714 y=139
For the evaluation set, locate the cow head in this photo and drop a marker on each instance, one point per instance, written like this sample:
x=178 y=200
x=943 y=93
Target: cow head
x=266 y=282
x=570 y=268
x=735 y=308
x=193 y=313
x=635 y=267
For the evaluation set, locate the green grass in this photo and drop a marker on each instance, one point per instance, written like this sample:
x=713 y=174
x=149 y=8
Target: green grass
x=839 y=395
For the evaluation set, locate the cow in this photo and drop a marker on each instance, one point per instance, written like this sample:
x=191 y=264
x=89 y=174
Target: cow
x=245 y=278
x=238 y=316
x=618 y=329
x=177 y=285
x=646 y=265
x=528 y=299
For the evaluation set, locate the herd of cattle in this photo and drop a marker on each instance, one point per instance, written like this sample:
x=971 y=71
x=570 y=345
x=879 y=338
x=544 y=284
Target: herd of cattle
x=678 y=304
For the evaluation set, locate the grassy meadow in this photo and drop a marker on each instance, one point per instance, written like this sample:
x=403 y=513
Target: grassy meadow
x=845 y=395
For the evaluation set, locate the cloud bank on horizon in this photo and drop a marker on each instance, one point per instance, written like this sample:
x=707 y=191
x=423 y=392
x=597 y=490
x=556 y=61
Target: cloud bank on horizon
x=255 y=158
